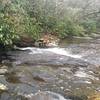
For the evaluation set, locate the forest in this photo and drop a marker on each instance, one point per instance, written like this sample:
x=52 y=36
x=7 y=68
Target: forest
x=34 y=18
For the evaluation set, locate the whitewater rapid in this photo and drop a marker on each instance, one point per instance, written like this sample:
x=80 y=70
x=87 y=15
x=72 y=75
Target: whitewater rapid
x=56 y=50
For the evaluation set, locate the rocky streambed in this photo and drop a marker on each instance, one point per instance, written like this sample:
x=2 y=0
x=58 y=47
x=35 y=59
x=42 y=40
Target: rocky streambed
x=70 y=71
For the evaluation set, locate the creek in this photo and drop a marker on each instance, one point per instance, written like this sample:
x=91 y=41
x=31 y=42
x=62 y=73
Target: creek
x=70 y=71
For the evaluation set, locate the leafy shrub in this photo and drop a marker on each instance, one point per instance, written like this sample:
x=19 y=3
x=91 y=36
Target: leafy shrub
x=34 y=17
x=68 y=28
x=49 y=24
x=32 y=28
x=89 y=25
x=7 y=34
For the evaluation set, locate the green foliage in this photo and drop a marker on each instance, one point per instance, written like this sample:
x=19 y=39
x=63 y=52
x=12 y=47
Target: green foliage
x=35 y=17
x=7 y=35
x=68 y=28
x=32 y=28
x=89 y=25
x=49 y=24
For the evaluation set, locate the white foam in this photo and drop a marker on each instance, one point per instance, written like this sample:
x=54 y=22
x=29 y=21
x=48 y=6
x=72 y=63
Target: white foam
x=33 y=50
x=26 y=48
x=63 y=51
x=56 y=50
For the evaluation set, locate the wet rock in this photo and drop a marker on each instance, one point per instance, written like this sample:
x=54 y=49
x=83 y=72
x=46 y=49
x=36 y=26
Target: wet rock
x=47 y=96
x=73 y=97
x=7 y=62
x=7 y=96
x=3 y=70
x=43 y=77
x=25 y=89
x=3 y=83
x=12 y=77
x=25 y=41
x=3 y=79
x=3 y=87
x=98 y=89
x=37 y=78
x=25 y=77
x=82 y=82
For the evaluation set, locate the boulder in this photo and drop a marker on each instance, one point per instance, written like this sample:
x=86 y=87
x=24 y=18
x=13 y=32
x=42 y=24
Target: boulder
x=25 y=41
x=47 y=41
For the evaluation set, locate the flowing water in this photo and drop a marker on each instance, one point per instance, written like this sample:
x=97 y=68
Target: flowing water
x=70 y=71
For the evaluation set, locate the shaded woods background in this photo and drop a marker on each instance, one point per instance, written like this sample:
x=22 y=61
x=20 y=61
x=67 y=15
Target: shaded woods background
x=33 y=18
